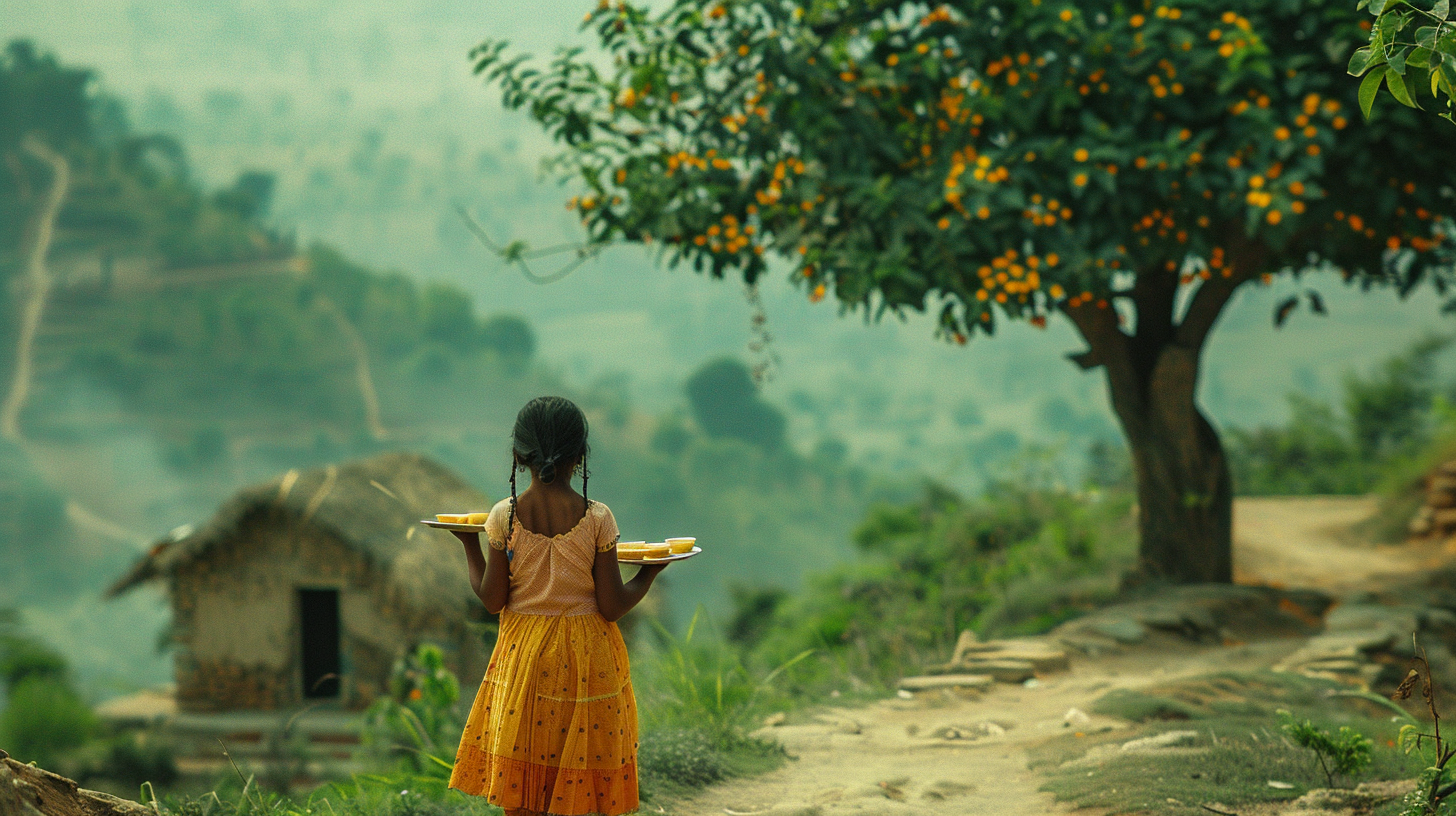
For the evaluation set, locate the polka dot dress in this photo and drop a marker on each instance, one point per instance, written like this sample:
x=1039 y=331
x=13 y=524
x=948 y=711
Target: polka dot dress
x=554 y=725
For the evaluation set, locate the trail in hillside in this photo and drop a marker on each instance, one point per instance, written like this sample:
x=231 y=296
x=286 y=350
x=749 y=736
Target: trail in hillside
x=362 y=374
x=891 y=757
x=38 y=284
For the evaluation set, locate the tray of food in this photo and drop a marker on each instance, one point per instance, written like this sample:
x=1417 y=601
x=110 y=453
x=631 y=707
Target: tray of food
x=458 y=522
x=643 y=552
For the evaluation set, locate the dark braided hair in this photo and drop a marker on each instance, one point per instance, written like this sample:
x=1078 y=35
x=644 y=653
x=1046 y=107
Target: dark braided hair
x=549 y=430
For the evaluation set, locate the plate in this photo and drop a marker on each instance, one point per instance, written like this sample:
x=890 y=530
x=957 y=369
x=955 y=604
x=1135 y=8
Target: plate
x=663 y=560
x=448 y=525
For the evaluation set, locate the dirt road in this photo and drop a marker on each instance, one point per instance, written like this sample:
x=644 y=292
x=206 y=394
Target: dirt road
x=892 y=757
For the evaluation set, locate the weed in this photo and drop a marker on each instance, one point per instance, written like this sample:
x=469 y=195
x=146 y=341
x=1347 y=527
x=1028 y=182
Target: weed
x=418 y=720
x=1432 y=790
x=1344 y=754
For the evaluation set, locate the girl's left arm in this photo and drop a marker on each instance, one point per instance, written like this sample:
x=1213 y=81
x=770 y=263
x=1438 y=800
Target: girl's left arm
x=490 y=576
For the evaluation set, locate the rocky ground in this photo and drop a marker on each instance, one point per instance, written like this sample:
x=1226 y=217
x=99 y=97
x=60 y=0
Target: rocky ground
x=1311 y=599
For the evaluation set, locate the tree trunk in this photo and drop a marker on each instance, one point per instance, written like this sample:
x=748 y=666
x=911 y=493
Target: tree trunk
x=1185 y=491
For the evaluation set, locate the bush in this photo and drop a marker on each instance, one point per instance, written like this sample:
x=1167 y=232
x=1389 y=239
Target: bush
x=418 y=720
x=134 y=759
x=43 y=720
x=1022 y=552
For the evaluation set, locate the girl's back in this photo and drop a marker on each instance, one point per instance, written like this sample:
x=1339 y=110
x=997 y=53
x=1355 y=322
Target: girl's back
x=552 y=574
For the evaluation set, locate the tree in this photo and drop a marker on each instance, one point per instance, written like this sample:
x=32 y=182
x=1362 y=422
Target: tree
x=725 y=403
x=1126 y=167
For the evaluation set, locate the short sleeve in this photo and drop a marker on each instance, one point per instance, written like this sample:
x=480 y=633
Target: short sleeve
x=496 y=524
x=607 y=533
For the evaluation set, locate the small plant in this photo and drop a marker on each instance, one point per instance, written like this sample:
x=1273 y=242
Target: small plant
x=1428 y=798
x=1345 y=753
x=418 y=717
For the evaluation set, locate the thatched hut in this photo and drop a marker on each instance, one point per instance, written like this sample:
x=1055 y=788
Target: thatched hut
x=309 y=586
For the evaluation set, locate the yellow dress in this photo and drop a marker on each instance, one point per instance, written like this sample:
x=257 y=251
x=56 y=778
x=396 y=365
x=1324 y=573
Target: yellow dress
x=554 y=725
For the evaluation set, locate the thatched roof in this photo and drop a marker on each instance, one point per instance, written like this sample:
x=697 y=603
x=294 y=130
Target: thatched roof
x=371 y=505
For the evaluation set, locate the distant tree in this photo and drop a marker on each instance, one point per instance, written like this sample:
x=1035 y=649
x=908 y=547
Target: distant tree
x=1128 y=167
x=250 y=196
x=725 y=403
x=511 y=337
x=40 y=96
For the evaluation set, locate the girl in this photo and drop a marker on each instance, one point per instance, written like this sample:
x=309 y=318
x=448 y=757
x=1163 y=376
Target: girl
x=554 y=726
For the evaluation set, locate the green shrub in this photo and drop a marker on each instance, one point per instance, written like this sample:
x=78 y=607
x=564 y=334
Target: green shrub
x=43 y=719
x=418 y=720
x=134 y=759
x=1021 y=558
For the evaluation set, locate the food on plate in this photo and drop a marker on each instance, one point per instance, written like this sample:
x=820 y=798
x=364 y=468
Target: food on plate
x=680 y=545
x=452 y=518
x=632 y=550
x=476 y=518
x=658 y=550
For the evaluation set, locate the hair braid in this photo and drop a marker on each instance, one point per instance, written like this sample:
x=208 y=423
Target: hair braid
x=585 y=474
x=511 y=519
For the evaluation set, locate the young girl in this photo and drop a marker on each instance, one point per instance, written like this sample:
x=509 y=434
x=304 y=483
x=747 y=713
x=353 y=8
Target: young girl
x=554 y=726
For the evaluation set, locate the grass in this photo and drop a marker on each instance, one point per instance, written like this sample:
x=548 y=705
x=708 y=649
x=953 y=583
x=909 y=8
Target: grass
x=1238 y=750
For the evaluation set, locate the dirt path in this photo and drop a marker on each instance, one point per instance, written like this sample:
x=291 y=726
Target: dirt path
x=891 y=757
x=1304 y=541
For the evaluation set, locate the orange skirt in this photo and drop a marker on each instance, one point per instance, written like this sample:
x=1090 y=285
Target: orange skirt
x=554 y=726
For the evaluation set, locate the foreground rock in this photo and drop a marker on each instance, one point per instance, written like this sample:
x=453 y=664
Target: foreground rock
x=29 y=791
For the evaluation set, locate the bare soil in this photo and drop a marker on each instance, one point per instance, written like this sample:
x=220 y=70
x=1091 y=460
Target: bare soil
x=893 y=756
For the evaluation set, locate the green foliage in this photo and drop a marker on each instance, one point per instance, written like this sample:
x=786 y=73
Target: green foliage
x=701 y=683
x=418 y=719
x=697 y=702
x=1345 y=753
x=1412 y=50
x=398 y=794
x=726 y=404
x=39 y=95
x=890 y=153
x=1389 y=417
x=1019 y=559
x=43 y=719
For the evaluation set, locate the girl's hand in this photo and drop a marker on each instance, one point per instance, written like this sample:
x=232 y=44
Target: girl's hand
x=467 y=538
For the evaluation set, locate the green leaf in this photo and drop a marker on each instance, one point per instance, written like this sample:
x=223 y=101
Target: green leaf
x=1377 y=7
x=1397 y=60
x=1360 y=60
x=1419 y=58
x=1441 y=10
x=1368 y=89
x=1396 y=83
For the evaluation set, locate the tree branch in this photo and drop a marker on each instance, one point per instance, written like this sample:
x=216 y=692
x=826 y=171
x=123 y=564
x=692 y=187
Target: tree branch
x=1247 y=260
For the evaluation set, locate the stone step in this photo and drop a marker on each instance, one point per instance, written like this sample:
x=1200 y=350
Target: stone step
x=946 y=681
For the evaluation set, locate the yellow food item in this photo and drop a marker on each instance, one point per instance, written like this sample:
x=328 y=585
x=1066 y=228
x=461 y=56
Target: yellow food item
x=657 y=550
x=631 y=550
x=681 y=545
x=476 y=518
x=452 y=518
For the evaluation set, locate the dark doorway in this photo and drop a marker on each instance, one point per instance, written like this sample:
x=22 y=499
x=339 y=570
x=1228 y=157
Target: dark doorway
x=318 y=613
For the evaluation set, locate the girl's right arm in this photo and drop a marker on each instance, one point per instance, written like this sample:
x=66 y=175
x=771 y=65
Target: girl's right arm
x=614 y=598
